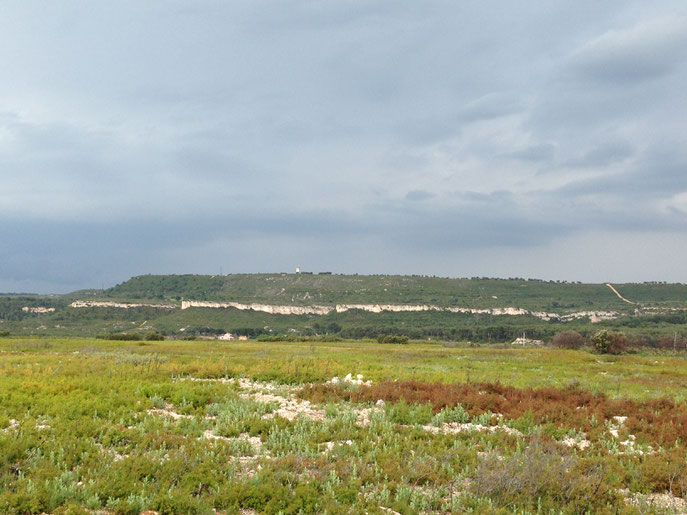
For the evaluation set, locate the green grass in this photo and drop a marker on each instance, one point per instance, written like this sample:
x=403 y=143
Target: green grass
x=633 y=376
x=83 y=426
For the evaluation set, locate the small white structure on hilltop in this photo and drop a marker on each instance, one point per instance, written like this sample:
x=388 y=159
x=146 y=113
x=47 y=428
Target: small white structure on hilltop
x=226 y=336
x=298 y=270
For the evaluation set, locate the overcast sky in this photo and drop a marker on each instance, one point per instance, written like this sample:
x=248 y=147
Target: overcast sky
x=529 y=139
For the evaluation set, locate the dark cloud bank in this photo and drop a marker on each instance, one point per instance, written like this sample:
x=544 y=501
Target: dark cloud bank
x=449 y=139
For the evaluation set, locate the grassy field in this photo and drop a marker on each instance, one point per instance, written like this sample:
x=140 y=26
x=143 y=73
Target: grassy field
x=192 y=427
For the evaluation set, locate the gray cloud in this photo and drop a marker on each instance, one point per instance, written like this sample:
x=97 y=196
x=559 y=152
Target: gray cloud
x=367 y=136
x=657 y=174
x=419 y=195
x=534 y=153
x=642 y=52
x=603 y=154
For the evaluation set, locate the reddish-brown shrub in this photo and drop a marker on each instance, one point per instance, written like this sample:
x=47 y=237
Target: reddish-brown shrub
x=568 y=340
x=657 y=422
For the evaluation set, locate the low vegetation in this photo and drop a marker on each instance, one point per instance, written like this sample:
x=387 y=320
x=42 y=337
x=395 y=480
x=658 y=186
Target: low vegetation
x=205 y=426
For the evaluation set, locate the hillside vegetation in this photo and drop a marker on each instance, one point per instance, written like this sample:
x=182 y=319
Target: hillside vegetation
x=307 y=289
x=659 y=312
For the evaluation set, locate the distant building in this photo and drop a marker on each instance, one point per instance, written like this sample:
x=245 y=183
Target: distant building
x=243 y=338
x=298 y=270
x=226 y=336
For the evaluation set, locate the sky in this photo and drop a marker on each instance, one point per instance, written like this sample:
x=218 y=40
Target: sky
x=460 y=139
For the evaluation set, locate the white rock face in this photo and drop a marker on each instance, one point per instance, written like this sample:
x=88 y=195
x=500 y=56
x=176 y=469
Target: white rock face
x=526 y=341
x=29 y=309
x=122 y=305
x=267 y=308
x=594 y=316
x=378 y=308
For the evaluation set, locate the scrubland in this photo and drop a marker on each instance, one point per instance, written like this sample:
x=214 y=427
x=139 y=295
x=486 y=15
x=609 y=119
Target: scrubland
x=92 y=426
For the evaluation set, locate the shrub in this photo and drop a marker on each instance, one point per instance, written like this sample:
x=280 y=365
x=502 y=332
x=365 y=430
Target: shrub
x=546 y=475
x=663 y=472
x=70 y=509
x=606 y=342
x=120 y=336
x=568 y=340
x=656 y=422
x=403 y=413
x=154 y=336
x=334 y=328
x=390 y=338
x=4 y=333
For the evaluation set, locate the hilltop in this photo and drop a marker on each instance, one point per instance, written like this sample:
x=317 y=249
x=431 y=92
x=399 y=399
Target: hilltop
x=329 y=289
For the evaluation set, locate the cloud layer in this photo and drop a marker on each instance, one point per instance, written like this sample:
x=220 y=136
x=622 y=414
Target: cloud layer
x=450 y=139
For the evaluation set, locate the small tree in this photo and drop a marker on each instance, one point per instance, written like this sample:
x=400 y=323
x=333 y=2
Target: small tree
x=606 y=342
x=333 y=327
x=568 y=340
x=390 y=338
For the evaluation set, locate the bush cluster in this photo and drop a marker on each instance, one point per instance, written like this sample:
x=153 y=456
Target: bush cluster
x=296 y=338
x=391 y=338
x=553 y=478
x=120 y=336
x=568 y=340
x=607 y=342
x=134 y=337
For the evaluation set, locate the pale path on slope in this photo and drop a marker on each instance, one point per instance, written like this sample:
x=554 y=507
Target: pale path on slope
x=618 y=294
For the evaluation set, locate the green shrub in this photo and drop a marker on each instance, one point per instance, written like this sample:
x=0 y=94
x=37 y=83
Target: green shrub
x=402 y=413
x=174 y=503
x=71 y=509
x=120 y=336
x=448 y=415
x=154 y=336
x=390 y=338
x=21 y=502
x=544 y=476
